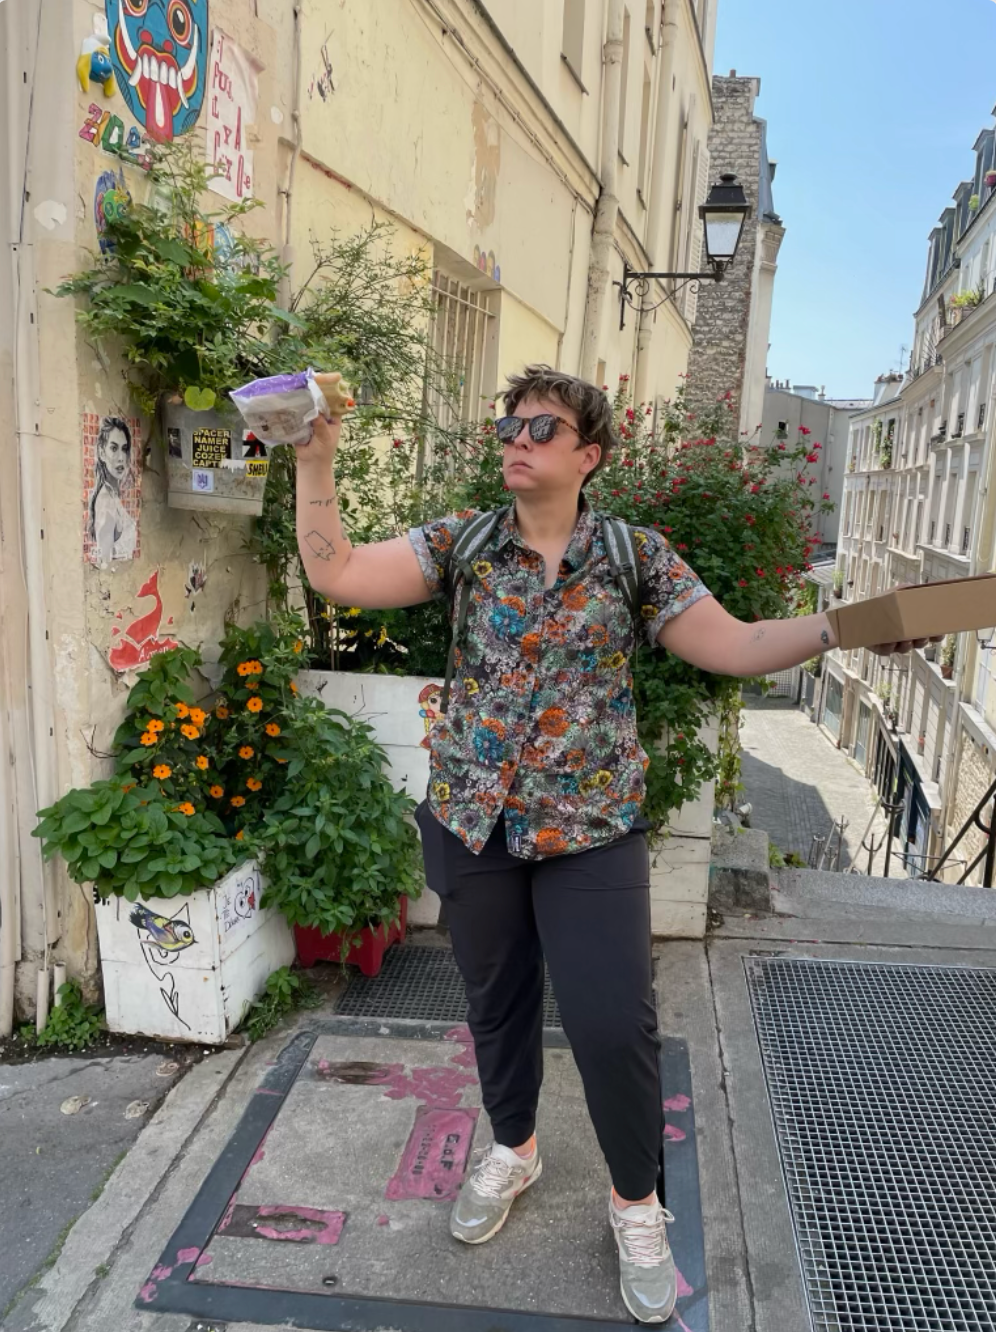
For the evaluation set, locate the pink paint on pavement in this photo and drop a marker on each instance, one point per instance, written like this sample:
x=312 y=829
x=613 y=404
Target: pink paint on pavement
x=148 y=1292
x=203 y=1260
x=435 y=1157
x=187 y=1255
x=383 y=1220
x=440 y=1087
x=160 y=1273
x=267 y=1091
x=259 y=1153
x=684 y=1289
x=678 y=1103
x=674 y=1134
x=226 y=1220
x=466 y=1056
x=325 y=1227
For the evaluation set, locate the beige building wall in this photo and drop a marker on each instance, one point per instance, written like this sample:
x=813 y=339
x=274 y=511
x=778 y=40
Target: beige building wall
x=477 y=130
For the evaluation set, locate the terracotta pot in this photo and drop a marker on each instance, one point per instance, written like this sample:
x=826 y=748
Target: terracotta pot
x=838 y=593
x=368 y=954
x=947 y=671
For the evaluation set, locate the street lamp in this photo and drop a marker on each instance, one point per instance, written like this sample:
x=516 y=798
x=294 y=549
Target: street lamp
x=723 y=216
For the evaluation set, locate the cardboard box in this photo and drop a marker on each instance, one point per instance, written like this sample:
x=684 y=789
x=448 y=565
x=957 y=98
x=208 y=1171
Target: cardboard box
x=926 y=611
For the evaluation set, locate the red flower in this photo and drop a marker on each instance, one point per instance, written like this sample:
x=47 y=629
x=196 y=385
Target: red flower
x=682 y=546
x=743 y=582
x=812 y=457
x=826 y=494
x=804 y=431
x=782 y=447
x=669 y=529
x=759 y=572
x=749 y=518
x=754 y=489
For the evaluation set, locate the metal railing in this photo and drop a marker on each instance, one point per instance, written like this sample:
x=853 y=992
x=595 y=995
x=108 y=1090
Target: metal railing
x=988 y=852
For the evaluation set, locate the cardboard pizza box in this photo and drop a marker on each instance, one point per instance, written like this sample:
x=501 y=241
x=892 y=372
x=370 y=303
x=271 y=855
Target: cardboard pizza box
x=948 y=606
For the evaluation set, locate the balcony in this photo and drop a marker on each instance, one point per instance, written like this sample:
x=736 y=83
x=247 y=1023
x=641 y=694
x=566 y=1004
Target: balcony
x=941 y=435
x=959 y=429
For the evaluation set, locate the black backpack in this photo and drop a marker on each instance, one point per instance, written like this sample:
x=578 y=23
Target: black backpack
x=474 y=537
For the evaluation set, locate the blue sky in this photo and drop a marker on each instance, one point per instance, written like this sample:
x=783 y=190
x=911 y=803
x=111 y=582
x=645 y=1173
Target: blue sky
x=872 y=109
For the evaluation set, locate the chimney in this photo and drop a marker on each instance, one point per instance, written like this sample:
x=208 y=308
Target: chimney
x=733 y=73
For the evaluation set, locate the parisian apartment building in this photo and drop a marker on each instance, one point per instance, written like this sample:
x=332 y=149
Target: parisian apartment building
x=919 y=506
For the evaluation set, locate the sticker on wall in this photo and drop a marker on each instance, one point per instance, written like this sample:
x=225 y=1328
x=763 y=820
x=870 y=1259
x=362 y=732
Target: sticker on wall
x=159 y=52
x=174 y=444
x=251 y=446
x=231 y=108
x=112 y=488
x=430 y=699
x=106 y=131
x=196 y=581
x=140 y=641
x=487 y=263
x=110 y=202
x=211 y=446
x=202 y=481
x=162 y=939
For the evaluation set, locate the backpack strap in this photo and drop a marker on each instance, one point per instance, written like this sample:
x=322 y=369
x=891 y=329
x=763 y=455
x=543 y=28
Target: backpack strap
x=473 y=538
x=624 y=561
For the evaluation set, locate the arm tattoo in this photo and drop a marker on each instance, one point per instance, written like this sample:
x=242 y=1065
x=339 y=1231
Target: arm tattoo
x=757 y=635
x=324 y=503
x=321 y=547
x=824 y=638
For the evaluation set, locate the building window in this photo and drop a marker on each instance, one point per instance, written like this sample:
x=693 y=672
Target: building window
x=464 y=334
x=572 y=42
x=624 y=87
x=834 y=705
x=644 y=136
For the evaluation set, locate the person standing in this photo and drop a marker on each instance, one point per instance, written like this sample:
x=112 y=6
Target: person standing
x=531 y=827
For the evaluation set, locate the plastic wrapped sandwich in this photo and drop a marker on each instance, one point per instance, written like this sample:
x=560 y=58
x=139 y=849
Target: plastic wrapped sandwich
x=282 y=409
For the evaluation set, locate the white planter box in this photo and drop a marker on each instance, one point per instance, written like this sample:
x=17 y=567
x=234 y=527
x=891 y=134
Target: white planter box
x=186 y=968
x=400 y=708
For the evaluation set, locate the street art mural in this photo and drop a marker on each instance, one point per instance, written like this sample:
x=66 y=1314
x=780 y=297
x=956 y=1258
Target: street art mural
x=231 y=110
x=94 y=64
x=238 y=902
x=159 y=52
x=140 y=641
x=110 y=201
x=430 y=699
x=162 y=939
x=111 y=450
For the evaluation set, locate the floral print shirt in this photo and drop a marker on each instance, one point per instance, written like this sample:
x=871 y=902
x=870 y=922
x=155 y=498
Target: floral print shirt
x=541 y=721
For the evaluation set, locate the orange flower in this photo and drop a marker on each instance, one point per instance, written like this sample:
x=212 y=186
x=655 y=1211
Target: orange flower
x=246 y=752
x=272 y=728
x=222 y=713
x=298 y=645
x=575 y=598
x=530 y=647
x=255 y=705
x=129 y=787
x=254 y=784
x=493 y=724
x=293 y=687
x=240 y=834
x=198 y=716
x=574 y=758
x=161 y=771
x=244 y=668
x=148 y=738
x=155 y=726
x=238 y=801
x=217 y=791
x=553 y=721
x=551 y=841
x=281 y=760
x=186 y=808
x=598 y=635
x=191 y=732
x=181 y=709
x=201 y=762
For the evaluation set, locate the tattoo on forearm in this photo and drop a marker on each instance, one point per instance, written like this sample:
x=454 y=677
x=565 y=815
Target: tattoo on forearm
x=757 y=635
x=323 y=503
x=321 y=547
x=825 y=638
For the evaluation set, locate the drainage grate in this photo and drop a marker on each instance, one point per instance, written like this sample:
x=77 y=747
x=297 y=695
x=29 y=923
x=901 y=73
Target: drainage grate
x=422 y=984
x=882 y=1082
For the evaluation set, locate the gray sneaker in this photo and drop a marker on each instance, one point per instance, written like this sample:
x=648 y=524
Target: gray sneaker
x=487 y=1195
x=646 y=1268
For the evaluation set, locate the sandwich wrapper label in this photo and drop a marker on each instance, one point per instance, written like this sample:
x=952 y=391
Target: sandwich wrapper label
x=949 y=606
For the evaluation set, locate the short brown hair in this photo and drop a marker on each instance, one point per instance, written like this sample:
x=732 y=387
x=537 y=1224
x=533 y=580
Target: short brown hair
x=590 y=404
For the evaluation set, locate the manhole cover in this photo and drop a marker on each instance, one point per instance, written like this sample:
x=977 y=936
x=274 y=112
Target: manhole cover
x=882 y=1082
x=421 y=984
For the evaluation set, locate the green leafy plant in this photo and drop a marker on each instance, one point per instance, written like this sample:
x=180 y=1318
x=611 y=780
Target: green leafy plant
x=949 y=650
x=968 y=299
x=973 y=202
x=286 y=991
x=186 y=295
x=71 y=1025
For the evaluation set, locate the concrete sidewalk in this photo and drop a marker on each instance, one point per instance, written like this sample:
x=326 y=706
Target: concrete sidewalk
x=348 y=1193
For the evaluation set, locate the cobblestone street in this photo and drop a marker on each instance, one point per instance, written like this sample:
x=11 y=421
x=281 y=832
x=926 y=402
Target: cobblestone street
x=798 y=784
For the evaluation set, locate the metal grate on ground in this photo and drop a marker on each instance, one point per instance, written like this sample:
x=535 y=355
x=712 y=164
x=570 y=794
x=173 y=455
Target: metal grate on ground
x=421 y=984
x=882 y=1082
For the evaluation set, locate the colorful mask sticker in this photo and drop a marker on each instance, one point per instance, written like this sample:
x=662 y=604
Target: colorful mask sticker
x=159 y=52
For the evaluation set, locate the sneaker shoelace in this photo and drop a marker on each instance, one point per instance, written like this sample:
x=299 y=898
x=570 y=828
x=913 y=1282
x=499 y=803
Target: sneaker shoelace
x=492 y=1175
x=644 y=1242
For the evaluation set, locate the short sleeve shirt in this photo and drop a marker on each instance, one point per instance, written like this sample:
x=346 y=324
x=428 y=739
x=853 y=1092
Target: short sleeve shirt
x=541 y=724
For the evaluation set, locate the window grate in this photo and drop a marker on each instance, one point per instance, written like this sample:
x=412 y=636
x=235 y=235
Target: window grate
x=421 y=984
x=882 y=1083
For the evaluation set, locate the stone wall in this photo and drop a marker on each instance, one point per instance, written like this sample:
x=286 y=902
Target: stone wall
x=722 y=321
x=974 y=777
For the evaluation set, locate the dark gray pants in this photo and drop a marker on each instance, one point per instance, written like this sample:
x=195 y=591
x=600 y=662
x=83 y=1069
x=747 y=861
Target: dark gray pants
x=589 y=915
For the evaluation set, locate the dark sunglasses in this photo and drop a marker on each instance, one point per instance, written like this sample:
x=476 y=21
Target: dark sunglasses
x=542 y=428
